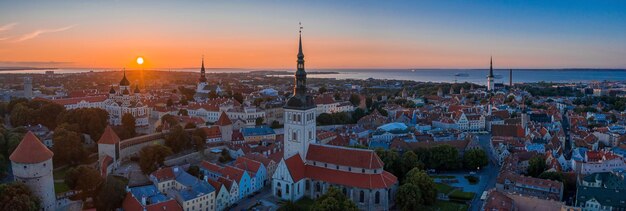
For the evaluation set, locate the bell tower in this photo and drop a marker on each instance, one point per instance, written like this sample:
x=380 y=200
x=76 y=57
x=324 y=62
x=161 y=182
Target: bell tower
x=299 y=113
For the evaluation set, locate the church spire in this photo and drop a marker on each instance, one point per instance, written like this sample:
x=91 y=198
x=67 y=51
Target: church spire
x=490 y=67
x=202 y=71
x=300 y=99
x=124 y=81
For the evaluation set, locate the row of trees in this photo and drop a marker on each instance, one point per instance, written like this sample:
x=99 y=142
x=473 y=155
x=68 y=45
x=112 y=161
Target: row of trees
x=341 y=118
x=9 y=139
x=442 y=157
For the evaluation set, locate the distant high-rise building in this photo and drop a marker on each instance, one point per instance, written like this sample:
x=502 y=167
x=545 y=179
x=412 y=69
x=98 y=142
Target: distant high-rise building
x=490 y=77
x=511 y=77
x=28 y=87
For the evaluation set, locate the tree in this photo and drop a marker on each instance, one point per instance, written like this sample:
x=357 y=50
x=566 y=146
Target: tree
x=355 y=100
x=358 y=114
x=368 y=102
x=151 y=157
x=337 y=96
x=333 y=200
x=225 y=156
x=183 y=112
x=17 y=196
x=536 y=166
x=177 y=139
x=21 y=115
x=169 y=102
x=67 y=146
x=84 y=178
x=444 y=157
x=238 y=97
x=198 y=143
x=553 y=175
x=475 y=158
x=190 y=125
x=322 y=90
x=410 y=161
x=275 y=124
x=112 y=194
x=91 y=121
x=259 y=121
x=391 y=159
x=128 y=123
x=424 y=182
x=3 y=166
x=195 y=171
x=409 y=197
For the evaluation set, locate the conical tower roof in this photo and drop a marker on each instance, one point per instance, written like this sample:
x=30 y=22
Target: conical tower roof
x=109 y=136
x=31 y=150
x=124 y=81
x=223 y=120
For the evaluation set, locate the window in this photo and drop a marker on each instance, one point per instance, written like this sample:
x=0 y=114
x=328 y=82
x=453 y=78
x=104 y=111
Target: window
x=377 y=197
x=361 y=196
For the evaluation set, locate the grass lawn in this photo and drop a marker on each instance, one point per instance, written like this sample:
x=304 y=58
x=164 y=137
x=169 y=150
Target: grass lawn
x=60 y=187
x=443 y=188
x=450 y=206
x=460 y=195
x=60 y=173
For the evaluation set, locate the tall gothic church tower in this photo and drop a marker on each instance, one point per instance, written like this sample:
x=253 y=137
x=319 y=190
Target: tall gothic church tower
x=490 y=77
x=299 y=114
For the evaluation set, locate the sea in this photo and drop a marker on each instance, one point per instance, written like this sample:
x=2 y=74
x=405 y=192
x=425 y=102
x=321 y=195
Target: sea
x=477 y=76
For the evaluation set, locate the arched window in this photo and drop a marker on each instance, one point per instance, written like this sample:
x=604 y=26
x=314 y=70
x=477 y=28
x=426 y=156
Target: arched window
x=318 y=187
x=361 y=196
x=345 y=191
x=307 y=185
x=377 y=197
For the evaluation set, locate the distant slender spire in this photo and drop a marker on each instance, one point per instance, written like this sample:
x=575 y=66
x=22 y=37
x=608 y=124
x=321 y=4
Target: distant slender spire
x=300 y=54
x=511 y=77
x=490 y=67
x=202 y=72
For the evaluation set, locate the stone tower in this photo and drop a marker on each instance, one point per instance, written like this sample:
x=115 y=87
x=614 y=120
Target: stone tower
x=299 y=113
x=28 y=87
x=32 y=165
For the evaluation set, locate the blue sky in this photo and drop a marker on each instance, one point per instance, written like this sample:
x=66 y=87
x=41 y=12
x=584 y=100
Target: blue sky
x=338 y=34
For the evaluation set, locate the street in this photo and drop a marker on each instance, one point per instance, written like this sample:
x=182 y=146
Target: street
x=488 y=174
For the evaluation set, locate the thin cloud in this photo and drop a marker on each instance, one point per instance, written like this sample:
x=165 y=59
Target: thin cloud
x=40 y=32
x=7 y=27
x=4 y=38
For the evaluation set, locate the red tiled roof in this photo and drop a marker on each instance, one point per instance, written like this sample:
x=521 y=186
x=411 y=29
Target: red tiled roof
x=212 y=132
x=227 y=182
x=217 y=185
x=223 y=120
x=247 y=164
x=324 y=99
x=344 y=156
x=369 y=181
x=498 y=201
x=233 y=173
x=507 y=130
x=211 y=166
x=259 y=157
x=90 y=99
x=109 y=136
x=164 y=174
x=31 y=150
x=296 y=167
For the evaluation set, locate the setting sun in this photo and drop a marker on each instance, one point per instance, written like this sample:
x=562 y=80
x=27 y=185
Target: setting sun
x=140 y=60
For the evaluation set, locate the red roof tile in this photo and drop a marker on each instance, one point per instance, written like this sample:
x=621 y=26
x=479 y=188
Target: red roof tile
x=223 y=120
x=296 y=167
x=31 y=150
x=109 y=136
x=344 y=156
x=369 y=181
x=247 y=164
x=232 y=173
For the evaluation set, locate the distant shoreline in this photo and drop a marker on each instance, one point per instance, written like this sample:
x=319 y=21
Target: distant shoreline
x=26 y=68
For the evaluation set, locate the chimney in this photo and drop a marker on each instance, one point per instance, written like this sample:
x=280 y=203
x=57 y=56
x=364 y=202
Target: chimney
x=143 y=200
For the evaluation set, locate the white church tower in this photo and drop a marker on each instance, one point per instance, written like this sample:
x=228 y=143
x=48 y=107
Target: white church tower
x=490 y=77
x=32 y=165
x=299 y=114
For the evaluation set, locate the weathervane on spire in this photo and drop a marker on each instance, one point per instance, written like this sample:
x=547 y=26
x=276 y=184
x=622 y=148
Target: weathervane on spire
x=300 y=24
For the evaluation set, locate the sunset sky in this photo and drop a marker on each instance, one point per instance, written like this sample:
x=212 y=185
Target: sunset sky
x=337 y=34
